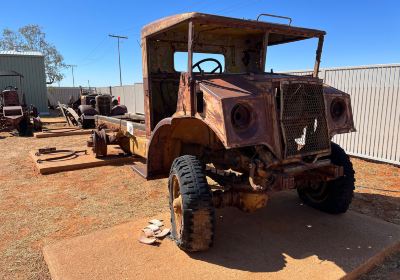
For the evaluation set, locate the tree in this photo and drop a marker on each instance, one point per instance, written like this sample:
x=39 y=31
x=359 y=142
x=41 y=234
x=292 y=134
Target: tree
x=32 y=38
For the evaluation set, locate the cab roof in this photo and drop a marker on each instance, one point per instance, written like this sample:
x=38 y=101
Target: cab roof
x=279 y=33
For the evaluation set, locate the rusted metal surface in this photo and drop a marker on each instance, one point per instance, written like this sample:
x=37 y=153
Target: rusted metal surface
x=375 y=99
x=59 y=155
x=271 y=128
x=240 y=24
x=99 y=147
x=247 y=202
x=318 y=57
x=304 y=125
x=15 y=114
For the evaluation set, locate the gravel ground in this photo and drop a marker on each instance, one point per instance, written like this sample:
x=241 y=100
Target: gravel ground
x=36 y=210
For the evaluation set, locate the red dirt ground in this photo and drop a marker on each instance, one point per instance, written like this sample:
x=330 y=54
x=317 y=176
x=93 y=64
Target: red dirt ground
x=36 y=210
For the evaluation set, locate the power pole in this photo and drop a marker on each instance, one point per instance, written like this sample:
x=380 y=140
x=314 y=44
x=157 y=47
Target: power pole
x=119 y=55
x=72 y=68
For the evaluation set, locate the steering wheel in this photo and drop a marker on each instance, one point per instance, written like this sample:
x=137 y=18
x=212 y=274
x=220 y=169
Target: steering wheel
x=219 y=65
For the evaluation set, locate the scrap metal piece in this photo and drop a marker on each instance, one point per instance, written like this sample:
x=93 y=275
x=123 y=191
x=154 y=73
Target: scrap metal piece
x=145 y=240
x=156 y=222
x=69 y=114
x=45 y=150
x=68 y=154
x=148 y=232
x=163 y=233
x=153 y=227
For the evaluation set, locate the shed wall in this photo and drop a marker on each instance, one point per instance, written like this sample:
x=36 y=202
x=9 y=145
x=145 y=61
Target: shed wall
x=34 y=81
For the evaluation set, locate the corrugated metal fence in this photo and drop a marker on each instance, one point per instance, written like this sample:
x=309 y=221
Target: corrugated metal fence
x=62 y=95
x=130 y=95
x=375 y=98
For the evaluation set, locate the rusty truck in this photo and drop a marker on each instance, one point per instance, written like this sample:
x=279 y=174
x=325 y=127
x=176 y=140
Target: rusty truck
x=249 y=131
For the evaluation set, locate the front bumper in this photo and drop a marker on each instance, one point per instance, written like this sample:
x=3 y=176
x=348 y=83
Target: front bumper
x=294 y=175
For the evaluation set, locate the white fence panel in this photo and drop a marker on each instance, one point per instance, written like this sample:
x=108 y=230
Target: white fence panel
x=139 y=99
x=62 y=95
x=375 y=98
x=131 y=96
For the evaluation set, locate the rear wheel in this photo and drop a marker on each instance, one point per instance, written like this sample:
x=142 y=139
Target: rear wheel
x=87 y=123
x=190 y=200
x=99 y=138
x=24 y=127
x=333 y=196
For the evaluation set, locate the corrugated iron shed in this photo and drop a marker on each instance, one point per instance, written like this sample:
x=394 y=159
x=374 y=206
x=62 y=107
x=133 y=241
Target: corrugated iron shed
x=31 y=65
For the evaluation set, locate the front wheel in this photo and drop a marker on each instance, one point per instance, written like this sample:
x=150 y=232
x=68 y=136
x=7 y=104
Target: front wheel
x=190 y=201
x=333 y=196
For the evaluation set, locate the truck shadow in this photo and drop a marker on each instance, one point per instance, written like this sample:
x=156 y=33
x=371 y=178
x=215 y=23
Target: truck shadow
x=286 y=231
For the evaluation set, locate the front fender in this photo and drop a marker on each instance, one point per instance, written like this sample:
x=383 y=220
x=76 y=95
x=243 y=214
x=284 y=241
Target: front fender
x=169 y=139
x=345 y=123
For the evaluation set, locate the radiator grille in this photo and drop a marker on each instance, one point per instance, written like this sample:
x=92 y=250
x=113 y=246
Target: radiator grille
x=303 y=119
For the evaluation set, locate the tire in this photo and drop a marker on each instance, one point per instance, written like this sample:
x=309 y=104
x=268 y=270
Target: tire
x=190 y=200
x=99 y=143
x=23 y=127
x=334 y=196
x=87 y=123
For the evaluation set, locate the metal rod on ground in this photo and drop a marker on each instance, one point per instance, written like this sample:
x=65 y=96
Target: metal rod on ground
x=119 y=55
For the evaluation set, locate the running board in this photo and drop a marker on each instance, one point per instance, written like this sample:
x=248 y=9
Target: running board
x=140 y=168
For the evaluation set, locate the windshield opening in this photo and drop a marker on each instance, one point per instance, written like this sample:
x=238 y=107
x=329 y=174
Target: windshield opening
x=181 y=61
x=291 y=56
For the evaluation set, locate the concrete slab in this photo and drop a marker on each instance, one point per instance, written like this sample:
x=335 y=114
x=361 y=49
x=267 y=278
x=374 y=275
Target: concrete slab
x=60 y=132
x=286 y=240
x=115 y=157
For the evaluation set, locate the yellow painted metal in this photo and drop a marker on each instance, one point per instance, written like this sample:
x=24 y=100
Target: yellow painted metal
x=138 y=145
x=250 y=202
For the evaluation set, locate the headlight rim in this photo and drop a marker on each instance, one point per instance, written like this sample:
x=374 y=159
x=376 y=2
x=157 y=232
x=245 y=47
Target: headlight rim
x=334 y=111
x=246 y=116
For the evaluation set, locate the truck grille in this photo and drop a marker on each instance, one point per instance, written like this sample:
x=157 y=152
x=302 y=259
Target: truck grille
x=303 y=119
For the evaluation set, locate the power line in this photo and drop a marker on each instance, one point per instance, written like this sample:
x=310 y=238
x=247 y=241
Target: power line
x=94 y=49
x=119 y=55
x=98 y=57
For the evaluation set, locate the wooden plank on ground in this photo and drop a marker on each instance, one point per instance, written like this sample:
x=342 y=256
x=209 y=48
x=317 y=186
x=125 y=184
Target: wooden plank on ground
x=59 y=132
x=81 y=161
x=52 y=120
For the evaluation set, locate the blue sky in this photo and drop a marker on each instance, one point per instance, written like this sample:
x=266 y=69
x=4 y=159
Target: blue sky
x=358 y=32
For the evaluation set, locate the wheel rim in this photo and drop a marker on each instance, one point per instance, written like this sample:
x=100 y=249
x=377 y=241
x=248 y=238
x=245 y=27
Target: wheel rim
x=100 y=143
x=177 y=206
x=317 y=192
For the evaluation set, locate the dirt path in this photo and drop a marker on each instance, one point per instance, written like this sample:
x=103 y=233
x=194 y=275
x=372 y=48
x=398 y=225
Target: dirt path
x=36 y=210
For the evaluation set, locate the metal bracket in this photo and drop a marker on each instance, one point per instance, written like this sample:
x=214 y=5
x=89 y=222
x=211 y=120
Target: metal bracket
x=275 y=16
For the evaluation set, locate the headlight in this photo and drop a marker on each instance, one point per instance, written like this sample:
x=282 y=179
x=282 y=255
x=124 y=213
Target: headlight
x=338 y=108
x=240 y=116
